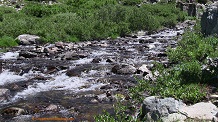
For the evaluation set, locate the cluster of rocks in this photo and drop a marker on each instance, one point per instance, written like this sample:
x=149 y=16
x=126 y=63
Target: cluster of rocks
x=170 y=110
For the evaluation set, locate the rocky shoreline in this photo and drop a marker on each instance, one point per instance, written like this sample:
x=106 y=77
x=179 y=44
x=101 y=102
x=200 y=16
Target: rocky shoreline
x=81 y=79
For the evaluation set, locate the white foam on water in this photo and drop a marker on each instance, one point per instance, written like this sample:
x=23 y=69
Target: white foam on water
x=7 y=77
x=83 y=61
x=60 y=82
x=10 y=55
x=99 y=53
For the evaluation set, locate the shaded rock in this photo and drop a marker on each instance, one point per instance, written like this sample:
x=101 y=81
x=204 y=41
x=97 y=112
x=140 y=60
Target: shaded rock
x=13 y=111
x=27 y=54
x=209 y=23
x=155 y=108
x=27 y=39
x=190 y=8
x=123 y=69
x=202 y=110
x=4 y=95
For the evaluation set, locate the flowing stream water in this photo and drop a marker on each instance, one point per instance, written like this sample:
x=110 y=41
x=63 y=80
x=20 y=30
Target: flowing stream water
x=78 y=80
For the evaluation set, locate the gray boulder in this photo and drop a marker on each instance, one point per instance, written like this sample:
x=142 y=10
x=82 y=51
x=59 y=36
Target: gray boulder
x=26 y=39
x=209 y=22
x=154 y=108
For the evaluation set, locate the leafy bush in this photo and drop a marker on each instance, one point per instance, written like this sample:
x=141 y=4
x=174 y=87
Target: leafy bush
x=131 y=2
x=80 y=20
x=40 y=10
x=15 y=24
x=6 y=41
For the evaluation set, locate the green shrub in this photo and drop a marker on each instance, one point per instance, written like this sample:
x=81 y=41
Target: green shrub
x=131 y=2
x=15 y=24
x=40 y=10
x=6 y=41
x=82 y=20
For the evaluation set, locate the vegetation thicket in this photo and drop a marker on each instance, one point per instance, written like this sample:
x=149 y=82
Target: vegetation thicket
x=81 y=20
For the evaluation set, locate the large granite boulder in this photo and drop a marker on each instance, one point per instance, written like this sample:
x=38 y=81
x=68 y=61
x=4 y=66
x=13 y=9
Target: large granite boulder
x=209 y=24
x=154 y=108
x=26 y=39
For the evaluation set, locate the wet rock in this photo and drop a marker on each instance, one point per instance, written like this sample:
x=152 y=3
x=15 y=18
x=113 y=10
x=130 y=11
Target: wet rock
x=96 y=60
x=123 y=69
x=77 y=70
x=13 y=111
x=73 y=55
x=155 y=108
x=27 y=54
x=4 y=95
x=202 y=110
x=52 y=107
x=27 y=39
